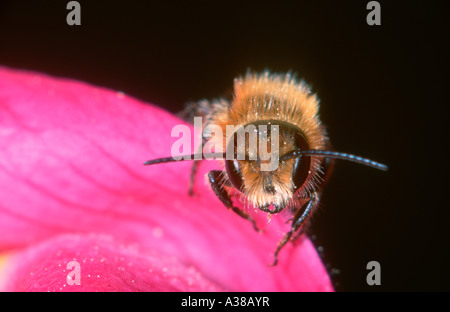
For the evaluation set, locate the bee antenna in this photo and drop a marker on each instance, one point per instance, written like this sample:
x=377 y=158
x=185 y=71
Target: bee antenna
x=337 y=155
x=184 y=157
x=293 y=154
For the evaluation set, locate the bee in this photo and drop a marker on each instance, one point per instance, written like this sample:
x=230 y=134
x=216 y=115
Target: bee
x=281 y=110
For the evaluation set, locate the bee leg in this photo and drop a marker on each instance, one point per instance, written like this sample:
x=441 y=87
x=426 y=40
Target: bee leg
x=217 y=185
x=192 y=177
x=299 y=219
x=194 y=170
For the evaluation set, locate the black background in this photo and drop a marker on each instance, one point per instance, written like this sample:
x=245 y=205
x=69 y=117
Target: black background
x=382 y=90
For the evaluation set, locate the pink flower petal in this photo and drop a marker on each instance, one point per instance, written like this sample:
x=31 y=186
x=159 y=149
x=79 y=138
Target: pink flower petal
x=71 y=162
x=98 y=263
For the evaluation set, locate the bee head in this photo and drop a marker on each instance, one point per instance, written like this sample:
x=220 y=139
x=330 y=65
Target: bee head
x=274 y=166
x=255 y=167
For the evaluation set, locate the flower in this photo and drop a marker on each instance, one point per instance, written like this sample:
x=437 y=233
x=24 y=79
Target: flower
x=74 y=190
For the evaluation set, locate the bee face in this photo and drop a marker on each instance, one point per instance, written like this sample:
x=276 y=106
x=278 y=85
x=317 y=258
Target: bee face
x=278 y=187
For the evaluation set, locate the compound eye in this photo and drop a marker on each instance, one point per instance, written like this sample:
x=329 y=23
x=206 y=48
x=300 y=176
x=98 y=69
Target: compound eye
x=234 y=173
x=301 y=171
x=232 y=165
x=302 y=164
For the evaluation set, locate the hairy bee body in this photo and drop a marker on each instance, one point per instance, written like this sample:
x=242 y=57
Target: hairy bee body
x=283 y=114
x=267 y=99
